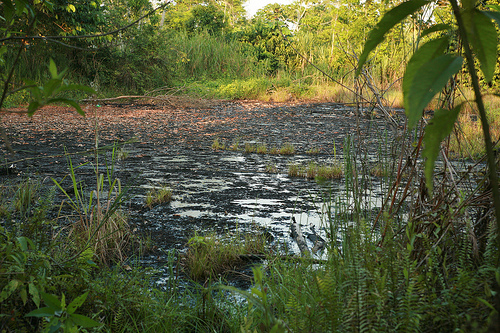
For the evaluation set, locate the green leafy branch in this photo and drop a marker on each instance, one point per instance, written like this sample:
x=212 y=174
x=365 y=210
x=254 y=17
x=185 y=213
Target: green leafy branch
x=61 y=316
x=429 y=70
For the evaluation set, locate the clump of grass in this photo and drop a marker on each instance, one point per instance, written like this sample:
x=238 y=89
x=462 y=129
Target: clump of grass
x=274 y=151
x=287 y=149
x=122 y=154
x=295 y=170
x=316 y=171
x=249 y=148
x=313 y=151
x=235 y=145
x=25 y=195
x=218 y=145
x=157 y=196
x=261 y=148
x=311 y=170
x=105 y=234
x=209 y=256
x=271 y=168
x=330 y=171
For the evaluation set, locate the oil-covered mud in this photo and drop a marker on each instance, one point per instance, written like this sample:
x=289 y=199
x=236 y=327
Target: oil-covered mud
x=218 y=190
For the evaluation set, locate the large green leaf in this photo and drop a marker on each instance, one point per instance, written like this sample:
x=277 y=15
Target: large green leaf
x=69 y=102
x=83 y=321
x=42 y=312
x=435 y=28
x=8 y=9
x=431 y=79
x=78 y=87
x=390 y=19
x=495 y=15
x=421 y=57
x=438 y=128
x=483 y=37
x=51 y=301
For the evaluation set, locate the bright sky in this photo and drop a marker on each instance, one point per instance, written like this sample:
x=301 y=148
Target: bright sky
x=252 y=6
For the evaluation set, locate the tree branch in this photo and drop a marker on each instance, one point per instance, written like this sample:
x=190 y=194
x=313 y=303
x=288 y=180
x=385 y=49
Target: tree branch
x=52 y=38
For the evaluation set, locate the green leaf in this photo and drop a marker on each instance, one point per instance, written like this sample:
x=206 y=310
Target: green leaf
x=431 y=79
x=8 y=289
x=494 y=15
x=51 y=301
x=421 y=57
x=69 y=102
x=33 y=107
x=78 y=87
x=53 y=69
x=35 y=294
x=390 y=19
x=438 y=128
x=483 y=37
x=8 y=9
x=42 y=312
x=485 y=302
x=84 y=321
x=51 y=87
x=76 y=303
x=24 y=295
x=435 y=28
x=21 y=6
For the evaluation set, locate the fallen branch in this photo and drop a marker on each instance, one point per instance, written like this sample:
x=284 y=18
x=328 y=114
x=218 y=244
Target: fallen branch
x=127 y=97
x=296 y=233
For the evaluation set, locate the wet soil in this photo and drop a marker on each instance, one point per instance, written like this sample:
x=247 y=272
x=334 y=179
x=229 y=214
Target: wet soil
x=213 y=190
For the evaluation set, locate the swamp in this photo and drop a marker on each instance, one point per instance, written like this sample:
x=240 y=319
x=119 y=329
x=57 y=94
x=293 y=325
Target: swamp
x=184 y=168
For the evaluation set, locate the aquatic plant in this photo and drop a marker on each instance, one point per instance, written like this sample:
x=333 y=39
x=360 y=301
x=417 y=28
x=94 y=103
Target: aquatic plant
x=217 y=145
x=287 y=149
x=158 y=195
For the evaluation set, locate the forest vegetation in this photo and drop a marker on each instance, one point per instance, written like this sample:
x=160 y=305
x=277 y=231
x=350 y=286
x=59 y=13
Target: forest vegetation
x=434 y=267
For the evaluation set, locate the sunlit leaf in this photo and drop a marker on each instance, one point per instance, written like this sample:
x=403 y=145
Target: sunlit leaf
x=435 y=28
x=53 y=69
x=495 y=15
x=390 y=19
x=438 y=128
x=421 y=57
x=71 y=8
x=483 y=37
x=431 y=79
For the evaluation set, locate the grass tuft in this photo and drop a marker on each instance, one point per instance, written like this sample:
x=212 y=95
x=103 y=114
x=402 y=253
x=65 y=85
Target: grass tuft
x=218 y=145
x=157 y=196
x=211 y=256
x=287 y=149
